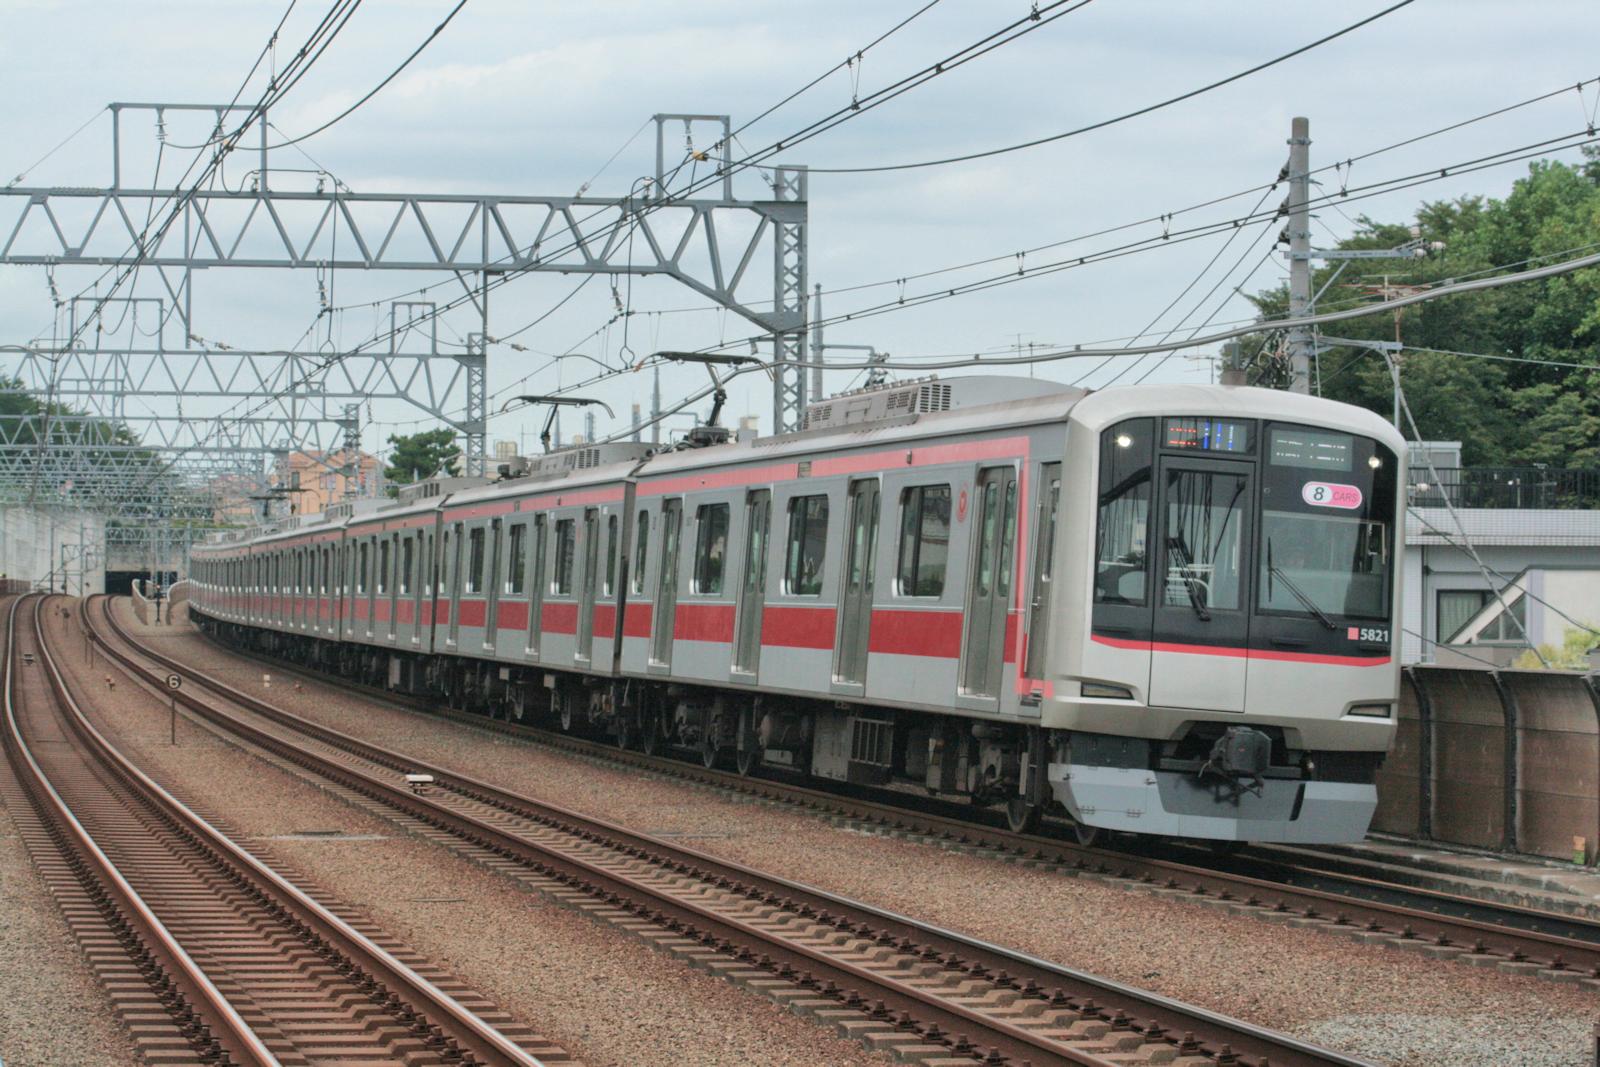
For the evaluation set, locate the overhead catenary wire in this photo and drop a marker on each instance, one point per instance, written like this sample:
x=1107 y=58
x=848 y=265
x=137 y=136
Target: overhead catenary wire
x=1125 y=116
x=1077 y=352
x=376 y=89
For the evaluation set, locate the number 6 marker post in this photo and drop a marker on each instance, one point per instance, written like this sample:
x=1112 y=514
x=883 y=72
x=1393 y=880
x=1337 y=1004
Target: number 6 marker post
x=174 y=683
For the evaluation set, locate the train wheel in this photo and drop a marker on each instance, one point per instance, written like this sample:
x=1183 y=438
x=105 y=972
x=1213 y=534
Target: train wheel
x=1022 y=815
x=1087 y=836
x=747 y=760
x=650 y=732
x=709 y=750
x=625 y=730
x=567 y=717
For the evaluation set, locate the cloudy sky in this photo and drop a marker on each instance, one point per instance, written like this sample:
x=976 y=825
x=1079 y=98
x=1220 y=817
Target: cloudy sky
x=535 y=98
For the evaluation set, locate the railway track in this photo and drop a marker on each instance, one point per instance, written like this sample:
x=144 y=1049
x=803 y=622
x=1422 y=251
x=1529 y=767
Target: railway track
x=892 y=982
x=1272 y=887
x=209 y=955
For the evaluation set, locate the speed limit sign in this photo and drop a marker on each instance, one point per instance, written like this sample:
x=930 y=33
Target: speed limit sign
x=174 y=682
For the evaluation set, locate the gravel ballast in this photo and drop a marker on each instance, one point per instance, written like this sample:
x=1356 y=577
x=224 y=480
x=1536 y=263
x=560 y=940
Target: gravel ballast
x=604 y=995
x=52 y=1011
x=1387 y=1005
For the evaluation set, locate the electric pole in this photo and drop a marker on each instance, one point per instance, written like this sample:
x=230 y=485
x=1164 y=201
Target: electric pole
x=1301 y=344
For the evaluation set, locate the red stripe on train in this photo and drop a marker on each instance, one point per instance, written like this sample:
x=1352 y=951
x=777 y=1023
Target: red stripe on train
x=916 y=633
x=703 y=622
x=558 y=619
x=789 y=626
x=636 y=620
x=1241 y=653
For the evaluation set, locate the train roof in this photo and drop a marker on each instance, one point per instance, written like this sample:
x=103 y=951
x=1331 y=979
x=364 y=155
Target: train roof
x=903 y=411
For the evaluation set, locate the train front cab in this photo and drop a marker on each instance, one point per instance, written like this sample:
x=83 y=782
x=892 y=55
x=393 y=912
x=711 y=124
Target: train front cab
x=1230 y=669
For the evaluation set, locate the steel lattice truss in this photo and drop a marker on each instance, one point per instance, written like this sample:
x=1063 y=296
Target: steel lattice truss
x=708 y=243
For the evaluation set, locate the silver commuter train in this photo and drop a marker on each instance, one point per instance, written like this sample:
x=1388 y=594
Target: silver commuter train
x=1208 y=652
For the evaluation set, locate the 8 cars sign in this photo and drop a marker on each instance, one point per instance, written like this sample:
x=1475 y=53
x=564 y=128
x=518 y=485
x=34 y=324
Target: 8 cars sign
x=1331 y=495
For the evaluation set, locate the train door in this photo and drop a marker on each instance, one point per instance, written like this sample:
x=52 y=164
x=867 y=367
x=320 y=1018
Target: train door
x=856 y=582
x=536 y=587
x=1041 y=604
x=392 y=579
x=454 y=579
x=369 y=584
x=491 y=586
x=989 y=586
x=753 y=590
x=1202 y=571
x=667 y=585
x=588 y=581
x=425 y=578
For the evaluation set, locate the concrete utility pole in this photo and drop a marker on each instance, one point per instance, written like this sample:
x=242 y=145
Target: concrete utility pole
x=1301 y=345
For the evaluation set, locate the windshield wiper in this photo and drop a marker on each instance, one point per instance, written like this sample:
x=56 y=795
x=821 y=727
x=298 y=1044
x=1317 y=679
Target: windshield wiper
x=1186 y=561
x=1299 y=594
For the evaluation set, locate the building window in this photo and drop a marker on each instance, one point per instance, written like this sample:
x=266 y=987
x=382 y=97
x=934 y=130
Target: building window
x=518 y=571
x=807 y=546
x=711 y=547
x=565 y=551
x=637 y=580
x=1457 y=607
x=924 y=540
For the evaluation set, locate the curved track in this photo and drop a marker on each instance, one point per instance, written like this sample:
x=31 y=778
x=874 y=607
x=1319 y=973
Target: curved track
x=1270 y=884
x=893 y=982
x=210 y=955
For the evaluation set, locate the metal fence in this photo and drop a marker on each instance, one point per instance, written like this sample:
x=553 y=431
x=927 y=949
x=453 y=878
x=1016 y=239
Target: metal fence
x=1505 y=487
x=1505 y=759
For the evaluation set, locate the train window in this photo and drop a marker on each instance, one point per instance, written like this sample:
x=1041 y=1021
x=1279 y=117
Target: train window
x=425 y=564
x=408 y=561
x=361 y=570
x=1205 y=521
x=639 y=552
x=474 y=561
x=611 y=556
x=383 y=567
x=565 y=552
x=517 y=573
x=807 y=547
x=924 y=540
x=711 y=547
x=1126 y=455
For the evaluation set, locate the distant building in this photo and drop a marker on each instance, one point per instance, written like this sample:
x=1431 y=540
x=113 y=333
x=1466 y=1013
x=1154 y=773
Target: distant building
x=1537 y=532
x=504 y=450
x=317 y=479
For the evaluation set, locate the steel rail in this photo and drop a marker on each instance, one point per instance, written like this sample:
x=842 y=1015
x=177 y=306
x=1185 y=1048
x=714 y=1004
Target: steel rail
x=221 y=1019
x=1437 y=919
x=459 y=1024
x=1193 y=1030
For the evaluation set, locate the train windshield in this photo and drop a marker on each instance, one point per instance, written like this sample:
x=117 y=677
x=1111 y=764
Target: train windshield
x=1326 y=534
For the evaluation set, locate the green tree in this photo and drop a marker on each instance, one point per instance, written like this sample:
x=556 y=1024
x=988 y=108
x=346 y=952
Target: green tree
x=421 y=455
x=1573 y=655
x=1504 y=413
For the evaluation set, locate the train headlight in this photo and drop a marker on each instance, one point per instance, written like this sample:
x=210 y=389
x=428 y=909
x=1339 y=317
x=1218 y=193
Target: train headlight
x=1371 y=711
x=1114 y=692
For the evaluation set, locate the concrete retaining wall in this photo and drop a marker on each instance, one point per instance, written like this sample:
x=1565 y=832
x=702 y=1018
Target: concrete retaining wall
x=34 y=542
x=1500 y=759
